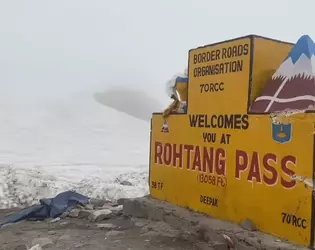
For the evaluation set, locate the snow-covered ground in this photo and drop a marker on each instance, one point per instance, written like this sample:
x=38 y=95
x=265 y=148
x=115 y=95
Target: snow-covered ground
x=72 y=143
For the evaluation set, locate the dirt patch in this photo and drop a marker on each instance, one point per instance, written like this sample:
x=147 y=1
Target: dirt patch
x=116 y=232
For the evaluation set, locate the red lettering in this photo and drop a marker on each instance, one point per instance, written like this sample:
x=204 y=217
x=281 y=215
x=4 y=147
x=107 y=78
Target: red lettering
x=197 y=160
x=207 y=160
x=188 y=149
x=288 y=172
x=178 y=156
x=158 y=152
x=167 y=154
x=271 y=170
x=254 y=171
x=220 y=165
x=241 y=163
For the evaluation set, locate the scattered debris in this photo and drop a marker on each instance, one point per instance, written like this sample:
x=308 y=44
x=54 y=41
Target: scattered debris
x=248 y=225
x=114 y=233
x=100 y=215
x=65 y=237
x=126 y=183
x=55 y=220
x=84 y=214
x=97 y=202
x=36 y=247
x=43 y=242
x=107 y=226
x=308 y=182
x=74 y=213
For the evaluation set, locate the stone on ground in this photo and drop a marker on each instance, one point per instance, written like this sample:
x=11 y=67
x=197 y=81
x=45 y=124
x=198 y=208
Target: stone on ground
x=100 y=215
x=43 y=242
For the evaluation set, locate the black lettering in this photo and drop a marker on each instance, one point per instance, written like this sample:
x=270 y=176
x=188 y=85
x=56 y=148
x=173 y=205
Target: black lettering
x=209 y=137
x=229 y=123
x=288 y=220
x=193 y=120
x=221 y=121
x=213 y=124
x=245 y=123
x=293 y=220
x=245 y=49
x=223 y=139
x=210 y=201
x=207 y=87
x=201 y=87
x=303 y=223
x=228 y=136
x=201 y=121
x=284 y=215
x=219 y=68
x=211 y=87
x=238 y=121
x=205 y=57
x=299 y=222
x=221 y=86
x=207 y=125
x=217 y=54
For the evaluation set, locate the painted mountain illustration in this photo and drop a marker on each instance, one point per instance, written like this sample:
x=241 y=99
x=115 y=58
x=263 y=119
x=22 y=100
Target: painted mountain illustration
x=293 y=85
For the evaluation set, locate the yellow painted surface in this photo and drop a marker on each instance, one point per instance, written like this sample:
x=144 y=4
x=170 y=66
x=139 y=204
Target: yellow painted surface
x=216 y=74
x=219 y=160
x=268 y=55
x=242 y=194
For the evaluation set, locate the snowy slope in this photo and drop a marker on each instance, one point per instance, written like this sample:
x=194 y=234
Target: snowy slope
x=74 y=143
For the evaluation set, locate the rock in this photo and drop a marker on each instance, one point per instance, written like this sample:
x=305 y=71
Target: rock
x=51 y=232
x=114 y=233
x=89 y=206
x=114 y=208
x=126 y=183
x=248 y=225
x=121 y=201
x=64 y=215
x=21 y=247
x=141 y=223
x=106 y=226
x=36 y=247
x=43 y=242
x=65 y=237
x=85 y=246
x=54 y=220
x=74 y=213
x=150 y=234
x=84 y=214
x=209 y=235
x=100 y=215
x=97 y=202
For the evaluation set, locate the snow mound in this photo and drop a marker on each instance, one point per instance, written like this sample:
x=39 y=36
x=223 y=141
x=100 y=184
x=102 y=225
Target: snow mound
x=48 y=147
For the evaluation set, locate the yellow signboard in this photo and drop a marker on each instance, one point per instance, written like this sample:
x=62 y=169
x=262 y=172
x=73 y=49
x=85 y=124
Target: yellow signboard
x=236 y=174
x=220 y=160
x=216 y=73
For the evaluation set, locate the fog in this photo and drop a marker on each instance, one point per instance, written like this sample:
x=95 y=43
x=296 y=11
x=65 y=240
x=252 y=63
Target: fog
x=57 y=47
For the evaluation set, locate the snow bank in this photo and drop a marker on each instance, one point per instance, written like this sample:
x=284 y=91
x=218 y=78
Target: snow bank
x=52 y=146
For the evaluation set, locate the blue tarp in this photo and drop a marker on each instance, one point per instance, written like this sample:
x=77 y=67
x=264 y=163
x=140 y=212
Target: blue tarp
x=48 y=208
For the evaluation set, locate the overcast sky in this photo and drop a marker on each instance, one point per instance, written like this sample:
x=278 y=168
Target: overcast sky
x=59 y=46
